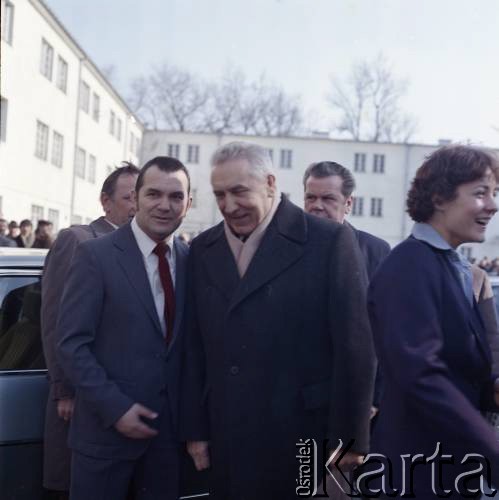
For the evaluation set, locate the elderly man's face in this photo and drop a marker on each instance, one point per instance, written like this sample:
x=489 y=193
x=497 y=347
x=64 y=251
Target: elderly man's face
x=244 y=198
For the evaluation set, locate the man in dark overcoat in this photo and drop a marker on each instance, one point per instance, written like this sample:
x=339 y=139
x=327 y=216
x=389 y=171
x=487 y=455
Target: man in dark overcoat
x=277 y=342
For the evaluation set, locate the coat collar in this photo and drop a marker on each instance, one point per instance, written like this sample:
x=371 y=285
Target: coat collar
x=280 y=247
x=100 y=227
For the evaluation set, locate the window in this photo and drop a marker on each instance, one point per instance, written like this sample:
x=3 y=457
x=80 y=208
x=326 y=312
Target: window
x=81 y=157
x=286 y=158
x=62 y=74
x=42 y=140
x=84 y=96
x=96 y=107
x=174 y=150
x=46 y=59
x=137 y=146
x=20 y=300
x=3 y=119
x=194 y=195
x=37 y=213
x=271 y=154
x=112 y=118
x=8 y=22
x=359 y=164
x=379 y=164
x=92 y=168
x=192 y=153
x=76 y=219
x=118 y=130
x=377 y=207
x=358 y=206
x=132 y=143
x=53 y=216
x=57 y=149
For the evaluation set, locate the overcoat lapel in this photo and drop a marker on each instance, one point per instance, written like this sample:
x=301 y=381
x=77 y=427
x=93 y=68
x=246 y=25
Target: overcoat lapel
x=275 y=254
x=220 y=264
x=180 y=268
x=132 y=263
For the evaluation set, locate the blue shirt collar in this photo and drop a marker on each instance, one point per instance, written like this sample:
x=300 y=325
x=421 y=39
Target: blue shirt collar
x=427 y=233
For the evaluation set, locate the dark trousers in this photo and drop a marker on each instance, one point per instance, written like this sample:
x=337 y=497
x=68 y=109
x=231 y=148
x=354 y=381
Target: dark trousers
x=154 y=475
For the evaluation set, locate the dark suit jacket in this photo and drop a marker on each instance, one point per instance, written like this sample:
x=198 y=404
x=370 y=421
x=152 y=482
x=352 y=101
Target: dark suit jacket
x=111 y=345
x=57 y=457
x=283 y=353
x=436 y=362
x=373 y=249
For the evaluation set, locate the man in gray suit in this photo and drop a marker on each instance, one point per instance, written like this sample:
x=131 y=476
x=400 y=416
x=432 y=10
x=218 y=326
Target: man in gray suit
x=118 y=203
x=118 y=332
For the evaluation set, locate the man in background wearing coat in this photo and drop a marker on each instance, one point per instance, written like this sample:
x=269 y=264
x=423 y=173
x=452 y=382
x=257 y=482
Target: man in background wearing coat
x=329 y=194
x=118 y=203
x=278 y=346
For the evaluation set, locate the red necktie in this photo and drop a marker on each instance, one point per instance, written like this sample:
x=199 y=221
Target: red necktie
x=166 y=281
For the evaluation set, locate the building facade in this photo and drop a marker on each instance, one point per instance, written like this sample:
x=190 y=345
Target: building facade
x=383 y=173
x=63 y=126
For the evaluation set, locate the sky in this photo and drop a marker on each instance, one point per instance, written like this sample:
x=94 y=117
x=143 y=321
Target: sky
x=448 y=50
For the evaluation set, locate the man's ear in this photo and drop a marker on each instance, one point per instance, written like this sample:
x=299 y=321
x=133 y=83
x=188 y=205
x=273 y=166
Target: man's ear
x=271 y=185
x=348 y=205
x=104 y=200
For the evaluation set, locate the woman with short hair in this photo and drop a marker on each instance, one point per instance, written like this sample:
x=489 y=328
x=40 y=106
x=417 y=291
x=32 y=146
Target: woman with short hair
x=429 y=335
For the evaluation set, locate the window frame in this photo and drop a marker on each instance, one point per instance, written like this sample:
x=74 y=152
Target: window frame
x=47 y=59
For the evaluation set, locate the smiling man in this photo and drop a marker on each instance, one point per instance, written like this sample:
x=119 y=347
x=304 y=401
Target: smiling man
x=277 y=338
x=118 y=333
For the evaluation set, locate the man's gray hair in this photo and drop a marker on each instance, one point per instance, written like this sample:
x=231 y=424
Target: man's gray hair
x=257 y=156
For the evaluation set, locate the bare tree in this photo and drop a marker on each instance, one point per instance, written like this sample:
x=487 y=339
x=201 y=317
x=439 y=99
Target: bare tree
x=178 y=100
x=369 y=103
x=223 y=112
x=279 y=113
x=170 y=97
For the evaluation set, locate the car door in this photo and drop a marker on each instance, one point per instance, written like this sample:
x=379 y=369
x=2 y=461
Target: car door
x=23 y=385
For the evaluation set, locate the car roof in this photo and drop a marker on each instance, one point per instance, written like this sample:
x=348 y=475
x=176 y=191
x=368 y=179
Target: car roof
x=21 y=257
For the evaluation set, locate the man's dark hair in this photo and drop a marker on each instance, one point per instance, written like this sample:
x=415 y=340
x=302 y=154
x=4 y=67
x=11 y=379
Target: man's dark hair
x=43 y=222
x=25 y=222
x=323 y=169
x=126 y=168
x=438 y=178
x=165 y=164
x=13 y=224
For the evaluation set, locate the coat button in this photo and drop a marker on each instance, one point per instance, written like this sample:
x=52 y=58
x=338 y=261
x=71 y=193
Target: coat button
x=234 y=370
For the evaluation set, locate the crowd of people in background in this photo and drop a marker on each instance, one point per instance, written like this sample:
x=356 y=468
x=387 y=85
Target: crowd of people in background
x=489 y=266
x=22 y=235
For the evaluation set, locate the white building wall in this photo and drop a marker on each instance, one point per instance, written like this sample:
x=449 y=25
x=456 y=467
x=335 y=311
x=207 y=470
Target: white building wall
x=26 y=180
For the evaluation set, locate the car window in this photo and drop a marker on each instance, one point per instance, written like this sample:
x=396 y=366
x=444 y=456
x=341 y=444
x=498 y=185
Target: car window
x=20 y=339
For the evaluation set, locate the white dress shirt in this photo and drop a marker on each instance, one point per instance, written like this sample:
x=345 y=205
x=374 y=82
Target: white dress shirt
x=146 y=246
